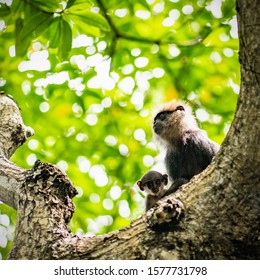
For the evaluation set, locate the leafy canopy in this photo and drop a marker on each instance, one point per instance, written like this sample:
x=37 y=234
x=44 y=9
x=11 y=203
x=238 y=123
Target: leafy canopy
x=88 y=75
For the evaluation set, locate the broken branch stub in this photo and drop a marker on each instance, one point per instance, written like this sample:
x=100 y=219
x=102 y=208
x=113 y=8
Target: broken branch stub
x=13 y=132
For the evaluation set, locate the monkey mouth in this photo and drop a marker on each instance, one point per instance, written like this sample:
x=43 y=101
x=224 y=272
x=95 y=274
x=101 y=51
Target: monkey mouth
x=155 y=190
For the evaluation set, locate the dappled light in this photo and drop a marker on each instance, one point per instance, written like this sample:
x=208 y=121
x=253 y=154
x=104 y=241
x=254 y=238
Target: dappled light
x=90 y=93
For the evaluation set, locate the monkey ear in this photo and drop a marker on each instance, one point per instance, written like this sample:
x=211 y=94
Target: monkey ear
x=139 y=184
x=165 y=178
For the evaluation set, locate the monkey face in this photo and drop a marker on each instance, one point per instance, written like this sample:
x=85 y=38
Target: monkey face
x=153 y=187
x=172 y=121
x=168 y=120
x=153 y=182
x=160 y=121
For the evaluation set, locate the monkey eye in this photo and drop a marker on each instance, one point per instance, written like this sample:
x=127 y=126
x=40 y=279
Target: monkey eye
x=180 y=108
x=162 y=115
x=158 y=182
x=149 y=184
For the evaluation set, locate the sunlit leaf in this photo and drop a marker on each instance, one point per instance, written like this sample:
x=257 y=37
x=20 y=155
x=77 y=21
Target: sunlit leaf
x=144 y=4
x=21 y=45
x=55 y=33
x=74 y=5
x=66 y=39
x=36 y=25
x=80 y=22
x=90 y=18
x=93 y=94
x=46 y=6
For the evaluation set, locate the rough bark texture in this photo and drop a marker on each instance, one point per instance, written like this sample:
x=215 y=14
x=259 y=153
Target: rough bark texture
x=215 y=216
x=40 y=225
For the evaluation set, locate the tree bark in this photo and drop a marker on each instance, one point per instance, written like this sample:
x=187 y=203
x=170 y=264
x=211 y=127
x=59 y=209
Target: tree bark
x=215 y=216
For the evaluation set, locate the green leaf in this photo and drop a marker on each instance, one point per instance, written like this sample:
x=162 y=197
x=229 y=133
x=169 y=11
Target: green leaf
x=90 y=18
x=78 y=5
x=93 y=94
x=82 y=25
x=228 y=8
x=46 y=6
x=4 y=10
x=145 y=4
x=66 y=40
x=17 y=6
x=36 y=25
x=21 y=46
x=55 y=33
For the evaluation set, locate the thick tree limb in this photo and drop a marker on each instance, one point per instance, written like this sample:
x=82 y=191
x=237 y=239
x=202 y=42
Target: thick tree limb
x=41 y=195
x=13 y=133
x=11 y=178
x=45 y=209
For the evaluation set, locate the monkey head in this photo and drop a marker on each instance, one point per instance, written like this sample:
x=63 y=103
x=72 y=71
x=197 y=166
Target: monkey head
x=153 y=182
x=172 y=120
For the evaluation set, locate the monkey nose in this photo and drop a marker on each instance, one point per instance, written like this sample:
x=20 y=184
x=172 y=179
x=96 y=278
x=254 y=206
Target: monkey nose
x=156 y=128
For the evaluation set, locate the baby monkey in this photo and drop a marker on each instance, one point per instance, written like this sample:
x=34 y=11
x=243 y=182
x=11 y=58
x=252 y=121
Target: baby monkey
x=153 y=183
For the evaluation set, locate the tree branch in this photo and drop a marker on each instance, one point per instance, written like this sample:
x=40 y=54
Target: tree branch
x=42 y=195
x=11 y=178
x=45 y=209
x=120 y=35
x=13 y=132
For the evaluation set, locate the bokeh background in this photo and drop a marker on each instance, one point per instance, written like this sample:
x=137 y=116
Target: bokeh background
x=88 y=76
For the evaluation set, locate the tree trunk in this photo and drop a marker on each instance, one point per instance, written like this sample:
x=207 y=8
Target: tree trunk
x=215 y=216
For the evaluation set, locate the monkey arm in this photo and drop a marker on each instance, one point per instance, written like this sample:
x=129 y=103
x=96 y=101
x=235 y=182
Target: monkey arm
x=192 y=155
x=175 y=185
x=150 y=201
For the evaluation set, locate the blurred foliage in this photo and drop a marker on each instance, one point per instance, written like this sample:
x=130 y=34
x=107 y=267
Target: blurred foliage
x=88 y=75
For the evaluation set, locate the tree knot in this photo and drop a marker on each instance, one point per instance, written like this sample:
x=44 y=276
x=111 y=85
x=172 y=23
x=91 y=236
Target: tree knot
x=166 y=214
x=48 y=175
x=51 y=188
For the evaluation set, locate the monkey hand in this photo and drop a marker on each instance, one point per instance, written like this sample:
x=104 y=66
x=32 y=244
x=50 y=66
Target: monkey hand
x=175 y=185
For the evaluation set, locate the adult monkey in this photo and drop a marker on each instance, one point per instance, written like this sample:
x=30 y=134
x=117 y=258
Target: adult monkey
x=188 y=149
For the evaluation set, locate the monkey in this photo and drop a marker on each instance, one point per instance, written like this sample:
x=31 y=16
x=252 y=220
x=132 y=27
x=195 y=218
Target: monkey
x=188 y=149
x=153 y=183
